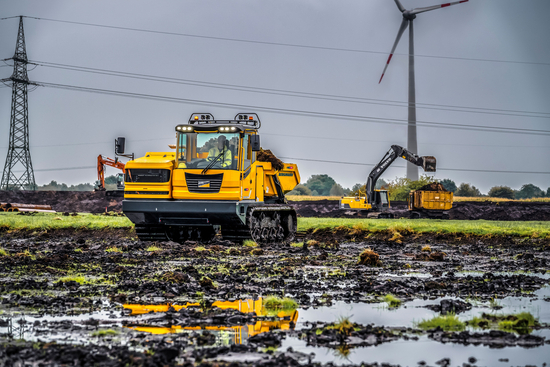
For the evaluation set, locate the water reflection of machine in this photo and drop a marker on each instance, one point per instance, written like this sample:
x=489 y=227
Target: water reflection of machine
x=236 y=334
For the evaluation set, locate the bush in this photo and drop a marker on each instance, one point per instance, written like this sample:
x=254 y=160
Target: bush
x=466 y=190
x=320 y=184
x=529 y=191
x=300 y=190
x=501 y=192
x=336 y=190
x=449 y=185
x=400 y=188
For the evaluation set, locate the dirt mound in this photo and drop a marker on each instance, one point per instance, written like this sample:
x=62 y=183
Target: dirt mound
x=66 y=201
x=268 y=156
x=434 y=186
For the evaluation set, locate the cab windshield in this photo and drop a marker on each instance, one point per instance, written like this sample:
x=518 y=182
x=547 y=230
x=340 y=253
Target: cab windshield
x=214 y=150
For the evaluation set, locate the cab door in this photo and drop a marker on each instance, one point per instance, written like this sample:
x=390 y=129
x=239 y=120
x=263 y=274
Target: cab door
x=248 y=177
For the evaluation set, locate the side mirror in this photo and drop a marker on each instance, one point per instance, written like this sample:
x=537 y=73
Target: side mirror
x=119 y=145
x=255 y=143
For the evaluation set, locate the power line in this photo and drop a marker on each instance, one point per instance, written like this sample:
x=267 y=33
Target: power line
x=325 y=48
x=341 y=117
x=301 y=94
x=336 y=162
x=300 y=137
x=439 y=169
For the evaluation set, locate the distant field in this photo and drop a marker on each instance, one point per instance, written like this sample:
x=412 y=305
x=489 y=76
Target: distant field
x=455 y=227
x=456 y=198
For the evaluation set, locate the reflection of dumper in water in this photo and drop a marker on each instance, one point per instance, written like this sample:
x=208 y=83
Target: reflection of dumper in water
x=286 y=319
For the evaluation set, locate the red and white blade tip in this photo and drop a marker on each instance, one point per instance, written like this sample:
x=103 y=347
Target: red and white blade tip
x=456 y=2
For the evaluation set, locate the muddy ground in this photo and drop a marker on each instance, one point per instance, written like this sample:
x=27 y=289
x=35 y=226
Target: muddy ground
x=53 y=277
x=98 y=202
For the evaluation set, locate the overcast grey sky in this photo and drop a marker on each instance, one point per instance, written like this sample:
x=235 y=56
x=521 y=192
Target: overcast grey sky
x=307 y=65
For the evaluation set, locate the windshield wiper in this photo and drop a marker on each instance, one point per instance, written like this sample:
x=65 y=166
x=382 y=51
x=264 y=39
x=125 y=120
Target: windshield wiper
x=212 y=163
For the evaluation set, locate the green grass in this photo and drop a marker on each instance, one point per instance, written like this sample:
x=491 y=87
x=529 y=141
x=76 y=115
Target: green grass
x=10 y=221
x=3 y=252
x=250 y=243
x=156 y=248
x=392 y=301
x=343 y=325
x=278 y=303
x=297 y=244
x=452 y=227
x=449 y=322
x=80 y=279
x=46 y=221
x=112 y=249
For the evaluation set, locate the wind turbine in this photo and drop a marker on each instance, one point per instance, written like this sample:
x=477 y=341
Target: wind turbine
x=408 y=17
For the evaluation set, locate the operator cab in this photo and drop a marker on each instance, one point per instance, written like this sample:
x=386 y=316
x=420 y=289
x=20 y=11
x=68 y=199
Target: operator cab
x=205 y=143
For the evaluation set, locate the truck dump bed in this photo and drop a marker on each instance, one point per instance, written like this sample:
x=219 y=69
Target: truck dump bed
x=430 y=200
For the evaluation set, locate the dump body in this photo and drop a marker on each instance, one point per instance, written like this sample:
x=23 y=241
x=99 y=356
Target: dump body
x=430 y=200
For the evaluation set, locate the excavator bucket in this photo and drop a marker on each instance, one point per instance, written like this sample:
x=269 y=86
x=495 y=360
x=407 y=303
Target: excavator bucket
x=429 y=163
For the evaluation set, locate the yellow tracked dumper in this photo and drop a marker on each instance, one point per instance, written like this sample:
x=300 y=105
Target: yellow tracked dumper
x=213 y=181
x=430 y=204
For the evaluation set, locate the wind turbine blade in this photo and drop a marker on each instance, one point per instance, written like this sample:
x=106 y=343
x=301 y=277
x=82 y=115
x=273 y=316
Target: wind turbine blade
x=428 y=8
x=399 y=6
x=404 y=25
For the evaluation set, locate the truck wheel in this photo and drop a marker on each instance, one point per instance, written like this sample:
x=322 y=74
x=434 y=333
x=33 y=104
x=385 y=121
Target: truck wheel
x=415 y=215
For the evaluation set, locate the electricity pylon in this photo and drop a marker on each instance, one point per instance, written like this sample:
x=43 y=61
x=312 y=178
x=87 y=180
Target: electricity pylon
x=18 y=173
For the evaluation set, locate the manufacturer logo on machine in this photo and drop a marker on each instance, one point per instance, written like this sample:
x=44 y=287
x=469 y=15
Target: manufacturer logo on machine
x=204 y=184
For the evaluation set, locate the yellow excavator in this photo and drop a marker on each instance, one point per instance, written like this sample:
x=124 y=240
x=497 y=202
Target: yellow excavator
x=213 y=181
x=378 y=200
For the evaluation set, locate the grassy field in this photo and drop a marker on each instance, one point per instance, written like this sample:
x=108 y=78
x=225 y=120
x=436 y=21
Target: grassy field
x=46 y=221
x=455 y=227
x=456 y=198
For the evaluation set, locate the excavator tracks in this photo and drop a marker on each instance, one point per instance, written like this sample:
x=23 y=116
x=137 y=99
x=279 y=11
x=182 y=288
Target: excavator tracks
x=151 y=233
x=268 y=224
x=272 y=224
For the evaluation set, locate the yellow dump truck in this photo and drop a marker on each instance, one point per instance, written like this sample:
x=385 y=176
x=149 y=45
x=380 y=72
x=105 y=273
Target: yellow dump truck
x=213 y=181
x=430 y=204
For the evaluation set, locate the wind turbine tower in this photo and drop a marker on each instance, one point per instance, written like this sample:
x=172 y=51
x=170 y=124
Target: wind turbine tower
x=408 y=17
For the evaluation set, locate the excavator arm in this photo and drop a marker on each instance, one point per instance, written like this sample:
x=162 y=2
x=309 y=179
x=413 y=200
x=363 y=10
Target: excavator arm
x=428 y=163
x=101 y=163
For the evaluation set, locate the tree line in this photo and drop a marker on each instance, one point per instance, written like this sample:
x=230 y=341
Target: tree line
x=324 y=185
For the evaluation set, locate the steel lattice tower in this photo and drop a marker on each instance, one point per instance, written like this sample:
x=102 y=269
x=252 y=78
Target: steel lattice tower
x=18 y=159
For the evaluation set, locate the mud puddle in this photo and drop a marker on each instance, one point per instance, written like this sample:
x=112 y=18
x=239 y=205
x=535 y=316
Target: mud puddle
x=110 y=299
x=233 y=330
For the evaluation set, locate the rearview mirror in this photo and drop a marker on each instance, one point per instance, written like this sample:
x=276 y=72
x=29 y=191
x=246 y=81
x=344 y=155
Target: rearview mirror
x=119 y=145
x=255 y=143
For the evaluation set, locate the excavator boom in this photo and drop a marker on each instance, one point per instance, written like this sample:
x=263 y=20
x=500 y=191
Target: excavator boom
x=101 y=163
x=377 y=200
